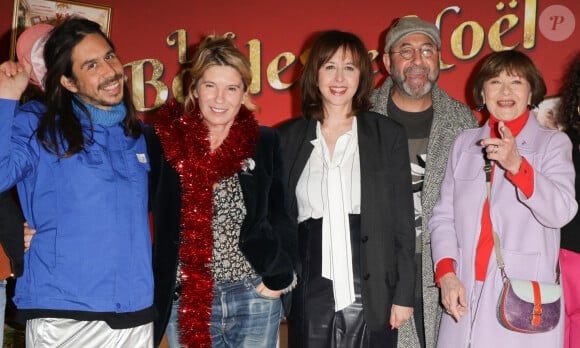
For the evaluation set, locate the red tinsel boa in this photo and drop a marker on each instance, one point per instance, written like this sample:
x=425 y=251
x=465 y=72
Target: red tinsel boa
x=185 y=141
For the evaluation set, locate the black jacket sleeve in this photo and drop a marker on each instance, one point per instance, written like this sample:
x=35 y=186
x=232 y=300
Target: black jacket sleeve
x=12 y=231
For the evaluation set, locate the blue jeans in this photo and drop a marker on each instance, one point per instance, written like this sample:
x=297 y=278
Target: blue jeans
x=240 y=317
x=172 y=330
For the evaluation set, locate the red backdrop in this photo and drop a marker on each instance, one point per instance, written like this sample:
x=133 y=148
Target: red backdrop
x=275 y=34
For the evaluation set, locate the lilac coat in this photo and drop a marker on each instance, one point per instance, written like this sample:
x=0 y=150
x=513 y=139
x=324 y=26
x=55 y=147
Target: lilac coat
x=528 y=228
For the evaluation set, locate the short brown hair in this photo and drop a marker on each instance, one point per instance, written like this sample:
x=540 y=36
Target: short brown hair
x=325 y=46
x=513 y=63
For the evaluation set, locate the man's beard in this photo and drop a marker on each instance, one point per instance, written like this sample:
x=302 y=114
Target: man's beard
x=415 y=91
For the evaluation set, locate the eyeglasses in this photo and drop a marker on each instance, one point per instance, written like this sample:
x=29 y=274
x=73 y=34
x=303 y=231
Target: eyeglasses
x=408 y=52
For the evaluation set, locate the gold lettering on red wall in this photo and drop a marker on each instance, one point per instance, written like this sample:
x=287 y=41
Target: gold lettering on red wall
x=530 y=16
x=275 y=69
x=278 y=65
x=457 y=42
x=181 y=42
x=496 y=32
x=498 y=29
x=255 y=56
x=139 y=83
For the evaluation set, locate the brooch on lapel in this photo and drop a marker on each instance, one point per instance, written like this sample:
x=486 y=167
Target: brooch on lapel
x=248 y=165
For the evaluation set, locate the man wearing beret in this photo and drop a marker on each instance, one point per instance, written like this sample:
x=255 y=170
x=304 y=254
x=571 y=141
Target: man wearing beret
x=432 y=119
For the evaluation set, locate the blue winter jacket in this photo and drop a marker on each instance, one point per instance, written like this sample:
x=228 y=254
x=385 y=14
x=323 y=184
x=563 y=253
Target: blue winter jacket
x=92 y=248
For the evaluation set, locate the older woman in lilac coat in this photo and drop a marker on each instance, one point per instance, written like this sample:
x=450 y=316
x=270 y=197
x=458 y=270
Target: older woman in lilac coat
x=532 y=197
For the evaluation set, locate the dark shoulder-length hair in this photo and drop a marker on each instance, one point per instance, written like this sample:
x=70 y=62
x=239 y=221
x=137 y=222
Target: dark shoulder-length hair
x=325 y=46
x=569 y=108
x=513 y=63
x=59 y=130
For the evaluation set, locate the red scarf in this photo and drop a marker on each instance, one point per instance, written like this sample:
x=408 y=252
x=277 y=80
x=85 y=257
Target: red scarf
x=185 y=141
x=515 y=125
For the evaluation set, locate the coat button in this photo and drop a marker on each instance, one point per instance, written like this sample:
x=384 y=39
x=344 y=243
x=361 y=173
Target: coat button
x=364 y=239
x=366 y=276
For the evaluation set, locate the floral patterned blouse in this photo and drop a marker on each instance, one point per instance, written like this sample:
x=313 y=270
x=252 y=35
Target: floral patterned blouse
x=228 y=262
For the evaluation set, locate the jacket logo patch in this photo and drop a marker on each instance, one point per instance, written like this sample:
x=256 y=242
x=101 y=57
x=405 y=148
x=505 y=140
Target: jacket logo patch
x=141 y=158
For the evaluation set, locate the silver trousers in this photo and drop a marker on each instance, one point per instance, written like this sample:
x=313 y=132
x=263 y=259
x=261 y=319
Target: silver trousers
x=70 y=333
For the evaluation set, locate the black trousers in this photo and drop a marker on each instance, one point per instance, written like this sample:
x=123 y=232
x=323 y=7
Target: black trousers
x=313 y=322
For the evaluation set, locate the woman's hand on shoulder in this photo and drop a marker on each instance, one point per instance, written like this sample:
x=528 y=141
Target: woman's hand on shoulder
x=399 y=315
x=28 y=234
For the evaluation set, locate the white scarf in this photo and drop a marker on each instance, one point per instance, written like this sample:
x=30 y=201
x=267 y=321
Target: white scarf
x=336 y=246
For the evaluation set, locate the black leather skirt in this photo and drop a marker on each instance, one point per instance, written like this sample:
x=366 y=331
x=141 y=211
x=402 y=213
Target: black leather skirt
x=313 y=322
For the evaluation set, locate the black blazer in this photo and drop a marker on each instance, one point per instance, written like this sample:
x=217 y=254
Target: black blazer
x=268 y=236
x=387 y=216
x=12 y=232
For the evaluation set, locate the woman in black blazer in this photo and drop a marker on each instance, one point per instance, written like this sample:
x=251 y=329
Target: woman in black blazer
x=225 y=246
x=348 y=172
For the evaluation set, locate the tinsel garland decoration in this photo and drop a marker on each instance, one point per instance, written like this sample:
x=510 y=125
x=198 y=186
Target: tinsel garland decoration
x=185 y=141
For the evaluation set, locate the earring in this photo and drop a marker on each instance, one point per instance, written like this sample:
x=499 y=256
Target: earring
x=578 y=110
x=481 y=106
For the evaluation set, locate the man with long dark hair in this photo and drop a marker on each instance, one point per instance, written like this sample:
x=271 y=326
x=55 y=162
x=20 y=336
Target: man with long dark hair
x=80 y=163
